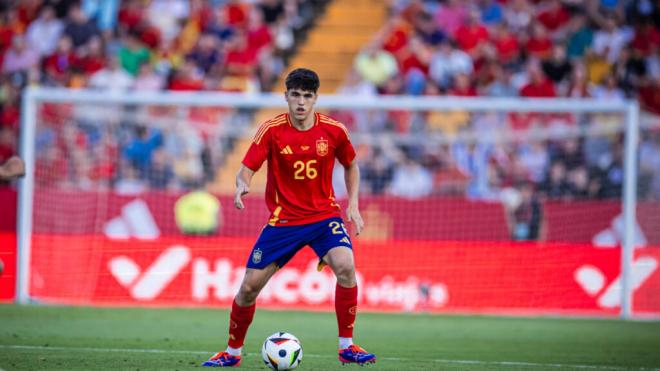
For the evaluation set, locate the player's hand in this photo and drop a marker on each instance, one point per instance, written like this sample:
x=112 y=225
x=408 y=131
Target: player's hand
x=353 y=215
x=13 y=168
x=241 y=190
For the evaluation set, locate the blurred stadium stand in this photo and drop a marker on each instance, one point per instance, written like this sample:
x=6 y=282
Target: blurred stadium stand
x=549 y=48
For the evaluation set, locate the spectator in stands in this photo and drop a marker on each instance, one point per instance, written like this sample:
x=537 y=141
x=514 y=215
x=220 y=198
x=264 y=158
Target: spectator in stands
x=518 y=16
x=557 y=68
x=649 y=95
x=507 y=47
x=139 y=150
x=608 y=92
x=160 y=174
x=78 y=27
x=133 y=54
x=649 y=163
x=630 y=70
x=427 y=30
x=44 y=32
x=534 y=157
x=472 y=35
x=539 y=86
x=447 y=62
x=187 y=78
x=462 y=86
x=58 y=65
x=539 y=45
x=612 y=176
x=411 y=180
x=609 y=41
x=167 y=16
x=112 y=77
x=450 y=17
x=578 y=85
x=492 y=12
x=20 y=57
x=526 y=220
x=104 y=12
x=272 y=10
x=219 y=25
x=206 y=54
x=91 y=57
x=580 y=37
x=578 y=183
x=554 y=17
x=556 y=184
x=500 y=86
x=375 y=65
x=130 y=183
x=377 y=172
x=148 y=80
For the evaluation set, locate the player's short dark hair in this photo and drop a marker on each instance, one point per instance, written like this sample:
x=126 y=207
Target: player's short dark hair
x=303 y=79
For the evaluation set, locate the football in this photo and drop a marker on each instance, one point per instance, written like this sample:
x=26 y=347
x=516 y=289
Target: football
x=282 y=351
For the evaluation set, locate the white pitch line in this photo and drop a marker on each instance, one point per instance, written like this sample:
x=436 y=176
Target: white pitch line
x=449 y=361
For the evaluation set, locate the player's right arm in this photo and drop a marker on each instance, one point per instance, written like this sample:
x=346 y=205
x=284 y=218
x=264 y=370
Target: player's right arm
x=12 y=168
x=243 y=179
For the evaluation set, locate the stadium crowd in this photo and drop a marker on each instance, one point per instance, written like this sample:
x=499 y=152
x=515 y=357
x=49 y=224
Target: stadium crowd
x=604 y=49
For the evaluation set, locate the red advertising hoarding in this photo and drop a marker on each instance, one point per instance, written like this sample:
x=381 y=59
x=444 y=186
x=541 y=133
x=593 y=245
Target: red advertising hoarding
x=403 y=276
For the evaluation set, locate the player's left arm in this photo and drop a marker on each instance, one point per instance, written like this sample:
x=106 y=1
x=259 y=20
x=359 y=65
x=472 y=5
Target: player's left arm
x=352 y=179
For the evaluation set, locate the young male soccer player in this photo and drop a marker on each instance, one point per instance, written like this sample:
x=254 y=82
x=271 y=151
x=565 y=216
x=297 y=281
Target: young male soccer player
x=300 y=147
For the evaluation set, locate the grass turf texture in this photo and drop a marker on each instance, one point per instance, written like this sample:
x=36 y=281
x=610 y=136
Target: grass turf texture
x=80 y=338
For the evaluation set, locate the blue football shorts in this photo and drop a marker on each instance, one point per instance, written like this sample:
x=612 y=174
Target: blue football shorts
x=280 y=244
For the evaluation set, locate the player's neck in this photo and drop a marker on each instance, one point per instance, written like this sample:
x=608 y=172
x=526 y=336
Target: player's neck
x=305 y=124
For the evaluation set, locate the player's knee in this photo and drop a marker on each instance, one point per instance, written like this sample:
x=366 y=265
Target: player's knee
x=248 y=293
x=345 y=275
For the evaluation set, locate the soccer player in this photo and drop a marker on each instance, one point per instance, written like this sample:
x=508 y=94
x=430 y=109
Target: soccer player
x=301 y=147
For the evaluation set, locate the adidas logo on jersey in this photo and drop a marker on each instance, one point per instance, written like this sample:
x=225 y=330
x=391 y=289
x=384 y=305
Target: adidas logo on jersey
x=286 y=151
x=346 y=240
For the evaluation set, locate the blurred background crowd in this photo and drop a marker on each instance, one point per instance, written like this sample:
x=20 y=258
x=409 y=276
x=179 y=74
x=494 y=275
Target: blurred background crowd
x=603 y=49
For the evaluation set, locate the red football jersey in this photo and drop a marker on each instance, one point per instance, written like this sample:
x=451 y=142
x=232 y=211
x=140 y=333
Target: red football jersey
x=299 y=186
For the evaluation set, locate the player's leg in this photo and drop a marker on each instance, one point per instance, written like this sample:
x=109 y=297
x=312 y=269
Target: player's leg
x=341 y=261
x=242 y=313
x=273 y=249
x=333 y=246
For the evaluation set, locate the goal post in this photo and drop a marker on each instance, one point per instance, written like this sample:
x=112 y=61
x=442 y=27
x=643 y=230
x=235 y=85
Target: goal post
x=241 y=110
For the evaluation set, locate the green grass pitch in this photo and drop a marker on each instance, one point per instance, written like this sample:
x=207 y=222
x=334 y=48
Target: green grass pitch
x=81 y=338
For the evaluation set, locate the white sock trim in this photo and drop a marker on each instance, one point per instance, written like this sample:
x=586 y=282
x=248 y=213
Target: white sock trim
x=345 y=342
x=234 y=351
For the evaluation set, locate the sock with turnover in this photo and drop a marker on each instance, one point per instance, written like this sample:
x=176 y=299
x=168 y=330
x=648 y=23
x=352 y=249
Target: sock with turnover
x=239 y=321
x=346 y=310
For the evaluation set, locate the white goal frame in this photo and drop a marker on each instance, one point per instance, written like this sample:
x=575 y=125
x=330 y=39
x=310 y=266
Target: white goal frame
x=33 y=96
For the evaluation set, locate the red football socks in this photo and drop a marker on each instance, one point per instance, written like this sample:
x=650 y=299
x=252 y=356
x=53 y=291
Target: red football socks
x=346 y=309
x=239 y=321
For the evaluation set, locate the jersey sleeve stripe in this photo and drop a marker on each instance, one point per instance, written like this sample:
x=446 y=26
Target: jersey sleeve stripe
x=341 y=126
x=330 y=121
x=267 y=124
x=264 y=129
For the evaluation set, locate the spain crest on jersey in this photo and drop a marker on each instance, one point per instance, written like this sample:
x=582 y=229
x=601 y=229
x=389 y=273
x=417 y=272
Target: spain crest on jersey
x=322 y=147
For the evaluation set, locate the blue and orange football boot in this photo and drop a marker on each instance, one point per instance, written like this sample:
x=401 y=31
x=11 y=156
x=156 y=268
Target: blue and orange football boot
x=355 y=354
x=223 y=359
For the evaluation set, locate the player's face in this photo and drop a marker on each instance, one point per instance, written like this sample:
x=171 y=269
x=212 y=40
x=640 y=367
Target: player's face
x=301 y=103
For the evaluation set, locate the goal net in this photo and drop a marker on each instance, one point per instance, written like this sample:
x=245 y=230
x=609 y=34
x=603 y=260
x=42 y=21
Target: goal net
x=471 y=205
